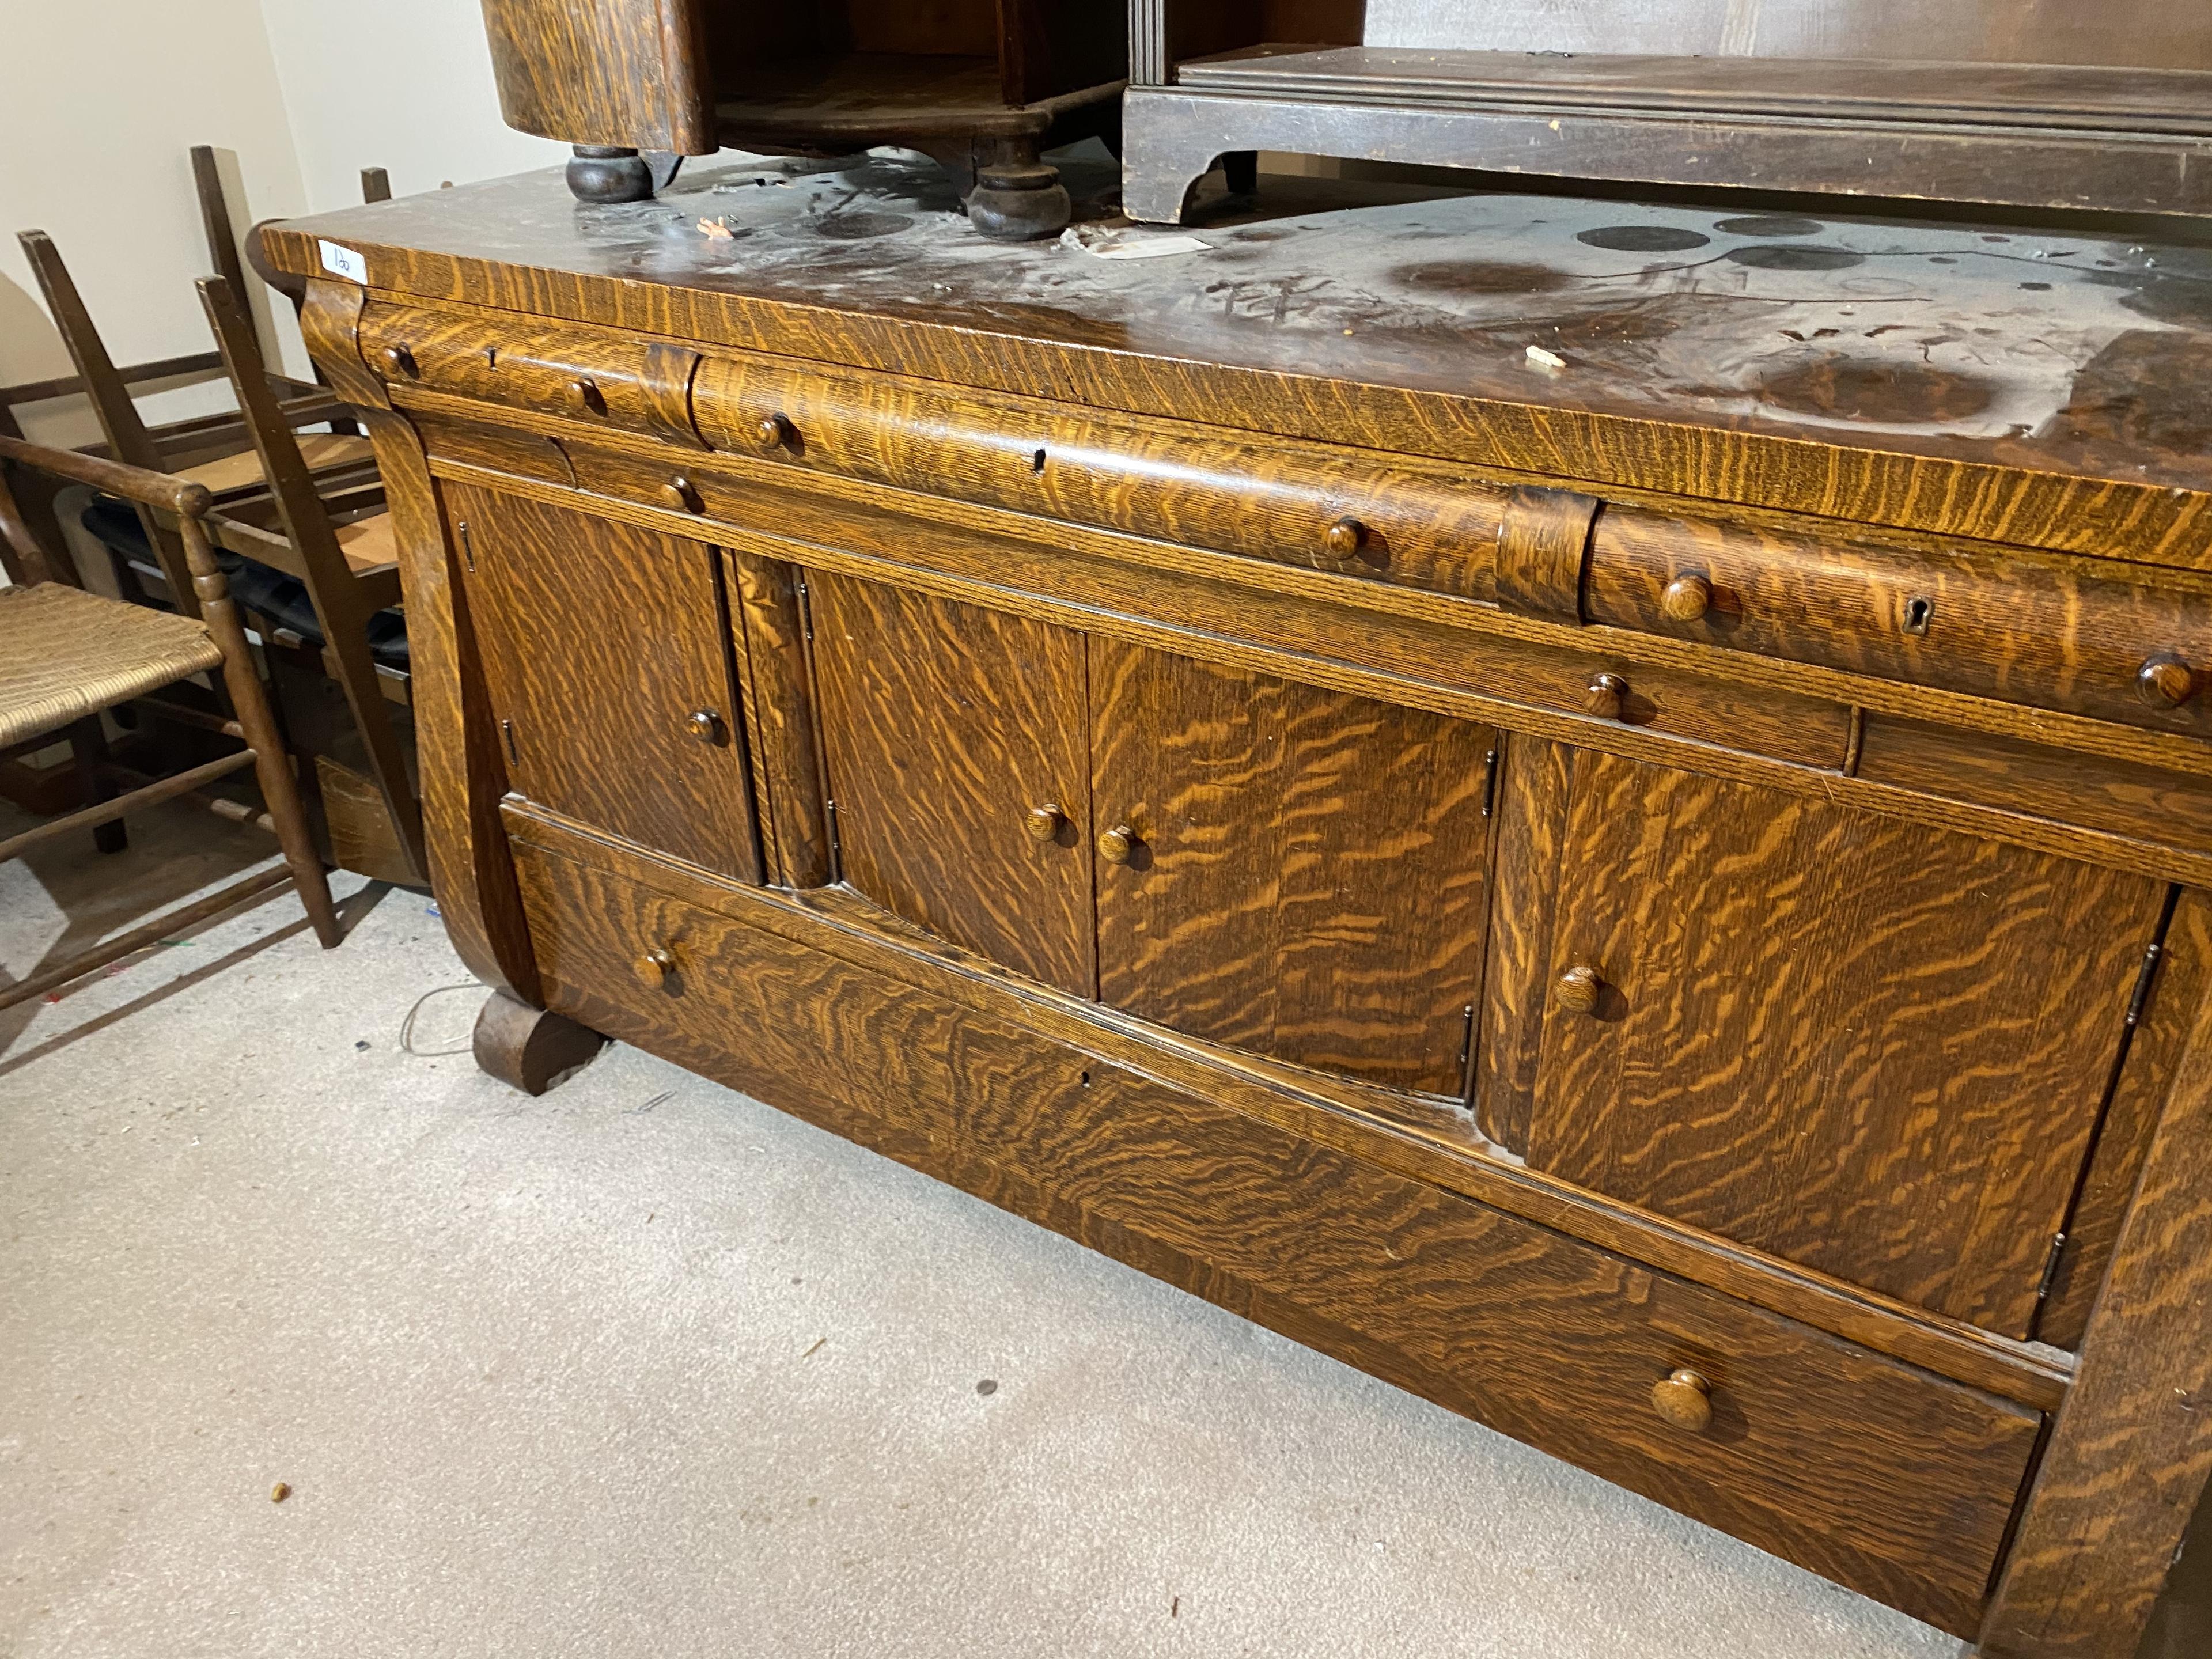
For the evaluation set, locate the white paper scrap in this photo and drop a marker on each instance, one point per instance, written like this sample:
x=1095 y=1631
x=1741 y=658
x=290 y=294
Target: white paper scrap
x=1102 y=244
x=344 y=262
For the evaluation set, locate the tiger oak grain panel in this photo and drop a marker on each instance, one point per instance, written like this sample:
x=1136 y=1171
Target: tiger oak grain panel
x=1872 y=1048
x=630 y=73
x=1309 y=871
x=2058 y=632
x=2179 y=982
x=2130 y=1455
x=603 y=645
x=1530 y=816
x=1876 y=1475
x=947 y=728
x=636 y=385
x=776 y=682
x=1311 y=506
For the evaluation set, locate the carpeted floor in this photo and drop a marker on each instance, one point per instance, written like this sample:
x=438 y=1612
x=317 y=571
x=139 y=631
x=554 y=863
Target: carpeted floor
x=645 y=1367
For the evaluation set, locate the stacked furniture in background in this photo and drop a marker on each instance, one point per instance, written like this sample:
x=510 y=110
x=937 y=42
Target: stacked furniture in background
x=985 y=87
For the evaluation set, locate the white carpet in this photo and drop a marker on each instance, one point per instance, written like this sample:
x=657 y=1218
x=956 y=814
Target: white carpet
x=646 y=1368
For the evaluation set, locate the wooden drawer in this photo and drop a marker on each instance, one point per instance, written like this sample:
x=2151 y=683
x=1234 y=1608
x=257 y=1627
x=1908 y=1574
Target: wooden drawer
x=1306 y=505
x=1876 y=1474
x=637 y=386
x=1752 y=719
x=2042 y=630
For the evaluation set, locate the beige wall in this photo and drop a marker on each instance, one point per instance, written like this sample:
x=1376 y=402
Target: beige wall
x=100 y=100
x=412 y=94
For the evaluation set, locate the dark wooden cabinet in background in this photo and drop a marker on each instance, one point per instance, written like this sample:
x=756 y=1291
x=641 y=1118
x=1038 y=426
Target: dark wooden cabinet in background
x=1682 y=936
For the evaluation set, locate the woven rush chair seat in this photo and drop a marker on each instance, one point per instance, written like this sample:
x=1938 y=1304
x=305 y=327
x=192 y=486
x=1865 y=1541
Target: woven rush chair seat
x=65 y=653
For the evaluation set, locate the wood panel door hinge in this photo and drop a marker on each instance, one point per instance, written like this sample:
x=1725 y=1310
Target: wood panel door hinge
x=1490 y=781
x=2050 y=1267
x=2141 y=1000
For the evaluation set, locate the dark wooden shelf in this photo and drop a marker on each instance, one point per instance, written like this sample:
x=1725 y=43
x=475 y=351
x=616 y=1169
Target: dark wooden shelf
x=2078 y=138
x=2098 y=99
x=875 y=97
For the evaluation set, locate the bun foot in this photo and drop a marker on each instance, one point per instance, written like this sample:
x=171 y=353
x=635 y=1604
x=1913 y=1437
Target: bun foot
x=1019 y=202
x=597 y=172
x=528 y=1048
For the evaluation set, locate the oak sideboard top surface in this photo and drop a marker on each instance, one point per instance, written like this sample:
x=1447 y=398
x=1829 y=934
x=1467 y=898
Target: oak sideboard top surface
x=1987 y=381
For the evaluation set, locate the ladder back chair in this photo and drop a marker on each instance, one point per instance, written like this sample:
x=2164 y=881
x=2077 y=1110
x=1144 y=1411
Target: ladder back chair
x=214 y=450
x=349 y=566
x=66 y=655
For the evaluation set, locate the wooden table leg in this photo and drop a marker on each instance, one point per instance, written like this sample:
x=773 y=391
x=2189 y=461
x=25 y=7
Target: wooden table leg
x=527 y=1047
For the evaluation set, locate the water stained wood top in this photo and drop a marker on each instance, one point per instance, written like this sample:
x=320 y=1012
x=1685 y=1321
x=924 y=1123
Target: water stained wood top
x=2030 y=352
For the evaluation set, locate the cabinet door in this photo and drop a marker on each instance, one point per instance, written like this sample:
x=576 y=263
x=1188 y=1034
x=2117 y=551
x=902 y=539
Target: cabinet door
x=607 y=651
x=1307 y=872
x=1869 y=1047
x=954 y=740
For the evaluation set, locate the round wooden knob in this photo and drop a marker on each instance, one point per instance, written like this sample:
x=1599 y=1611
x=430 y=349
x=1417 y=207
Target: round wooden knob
x=1684 y=1399
x=1114 y=845
x=655 y=967
x=1687 y=599
x=1043 y=821
x=401 y=361
x=773 y=432
x=1608 y=693
x=705 y=725
x=2165 y=681
x=1345 y=538
x=586 y=397
x=681 y=494
x=1578 y=989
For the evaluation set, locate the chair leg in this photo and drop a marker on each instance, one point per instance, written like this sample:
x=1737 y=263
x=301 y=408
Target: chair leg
x=271 y=765
x=348 y=634
x=89 y=744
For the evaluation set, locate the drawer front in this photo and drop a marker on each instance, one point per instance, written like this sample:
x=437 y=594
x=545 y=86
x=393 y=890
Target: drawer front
x=2047 y=631
x=636 y=385
x=1883 y=1476
x=1665 y=701
x=1301 y=505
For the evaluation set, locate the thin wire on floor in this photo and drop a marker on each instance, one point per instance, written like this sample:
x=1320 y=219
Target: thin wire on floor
x=407 y=1025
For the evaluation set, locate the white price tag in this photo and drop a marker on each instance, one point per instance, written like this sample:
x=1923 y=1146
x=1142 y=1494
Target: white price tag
x=344 y=262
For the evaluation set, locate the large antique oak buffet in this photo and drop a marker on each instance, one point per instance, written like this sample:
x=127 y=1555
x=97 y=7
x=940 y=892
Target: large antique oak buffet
x=1604 y=812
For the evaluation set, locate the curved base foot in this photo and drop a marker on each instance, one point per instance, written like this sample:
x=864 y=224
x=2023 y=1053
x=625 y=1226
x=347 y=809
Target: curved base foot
x=597 y=172
x=529 y=1048
x=1019 y=202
